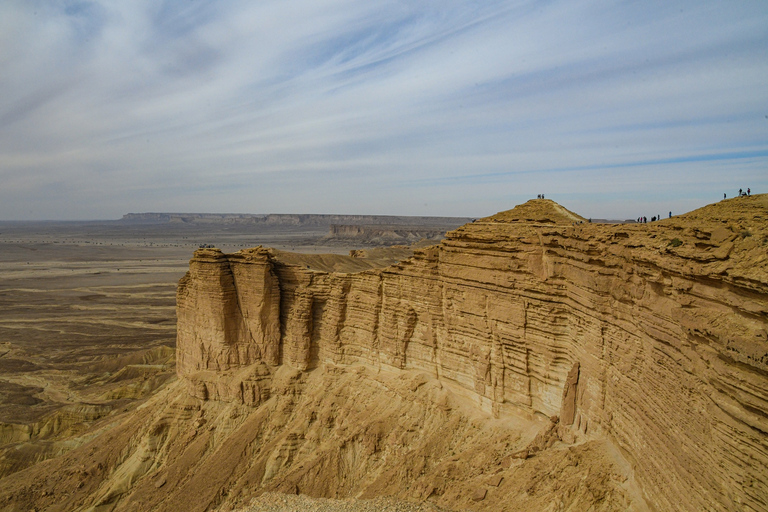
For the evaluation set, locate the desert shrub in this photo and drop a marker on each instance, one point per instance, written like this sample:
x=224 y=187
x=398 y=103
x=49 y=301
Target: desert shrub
x=676 y=242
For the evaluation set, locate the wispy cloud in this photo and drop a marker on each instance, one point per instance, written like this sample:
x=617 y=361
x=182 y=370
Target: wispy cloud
x=443 y=108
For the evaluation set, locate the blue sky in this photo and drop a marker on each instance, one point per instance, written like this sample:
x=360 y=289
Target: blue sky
x=613 y=108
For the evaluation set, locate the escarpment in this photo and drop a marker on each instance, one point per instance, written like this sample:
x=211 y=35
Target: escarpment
x=652 y=336
x=378 y=234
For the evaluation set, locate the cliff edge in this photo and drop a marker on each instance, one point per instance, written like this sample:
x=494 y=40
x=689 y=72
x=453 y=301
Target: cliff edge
x=530 y=361
x=652 y=336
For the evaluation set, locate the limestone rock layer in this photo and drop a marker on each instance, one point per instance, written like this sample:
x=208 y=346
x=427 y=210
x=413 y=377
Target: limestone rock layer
x=652 y=336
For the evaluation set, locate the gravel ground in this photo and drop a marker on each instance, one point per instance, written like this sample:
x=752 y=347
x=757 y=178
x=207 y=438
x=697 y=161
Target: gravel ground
x=275 y=502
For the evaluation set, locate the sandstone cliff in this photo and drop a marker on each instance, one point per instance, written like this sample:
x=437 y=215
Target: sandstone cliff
x=653 y=337
x=531 y=361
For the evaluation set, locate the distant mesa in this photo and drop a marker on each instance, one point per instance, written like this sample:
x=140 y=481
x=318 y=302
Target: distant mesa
x=289 y=219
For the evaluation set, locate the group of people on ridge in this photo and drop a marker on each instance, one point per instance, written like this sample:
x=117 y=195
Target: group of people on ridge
x=741 y=193
x=644 y=220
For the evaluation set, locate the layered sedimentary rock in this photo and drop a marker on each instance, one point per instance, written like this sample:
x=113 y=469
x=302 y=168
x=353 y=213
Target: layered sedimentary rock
x=233 y=326
x=652 y=336
x=392 y=234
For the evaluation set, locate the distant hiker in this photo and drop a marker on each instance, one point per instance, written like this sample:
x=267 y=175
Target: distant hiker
x=749 y=192
x=538 y=196
x=739 y=192
x=653 y=219
x=723 y=195
x=542 y=196
x=670 y=215
x=645 y=220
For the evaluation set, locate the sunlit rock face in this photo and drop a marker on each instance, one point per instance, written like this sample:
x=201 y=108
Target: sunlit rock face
x=228 y=324
x=653 y=336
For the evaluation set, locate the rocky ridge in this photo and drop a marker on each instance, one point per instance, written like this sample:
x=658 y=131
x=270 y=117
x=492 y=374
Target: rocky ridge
x=651 y=336
x=380 y=234
x=531 y=361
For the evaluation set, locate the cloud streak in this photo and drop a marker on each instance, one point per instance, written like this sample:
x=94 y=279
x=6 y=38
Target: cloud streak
x=439 y=108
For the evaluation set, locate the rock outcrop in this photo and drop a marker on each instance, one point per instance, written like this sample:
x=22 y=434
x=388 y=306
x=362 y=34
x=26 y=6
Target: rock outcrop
x=376 y=235
x=653 y=337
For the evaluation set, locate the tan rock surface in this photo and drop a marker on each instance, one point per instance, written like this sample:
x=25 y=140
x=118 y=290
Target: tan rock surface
x=665 y=324
x=531 y=361
x=338 y=432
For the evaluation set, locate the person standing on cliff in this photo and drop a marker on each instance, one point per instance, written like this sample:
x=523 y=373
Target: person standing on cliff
x=749 y=192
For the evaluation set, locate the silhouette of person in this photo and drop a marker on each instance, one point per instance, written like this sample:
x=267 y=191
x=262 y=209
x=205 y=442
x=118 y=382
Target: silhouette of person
x=670 y=215
x=723 y=196
x=739 y=191
x=749 y=192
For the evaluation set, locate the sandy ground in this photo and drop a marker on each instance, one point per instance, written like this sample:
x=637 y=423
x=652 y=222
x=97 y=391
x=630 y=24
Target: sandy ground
x=275 y=502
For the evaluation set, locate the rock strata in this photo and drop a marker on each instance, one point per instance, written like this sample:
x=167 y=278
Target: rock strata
x=653 y=337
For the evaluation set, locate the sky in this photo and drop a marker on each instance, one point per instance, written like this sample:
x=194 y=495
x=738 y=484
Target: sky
x=614 y=109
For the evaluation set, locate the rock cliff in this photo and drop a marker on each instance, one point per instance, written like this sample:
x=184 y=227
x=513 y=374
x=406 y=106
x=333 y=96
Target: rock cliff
x=653 y=337
x=377 y=235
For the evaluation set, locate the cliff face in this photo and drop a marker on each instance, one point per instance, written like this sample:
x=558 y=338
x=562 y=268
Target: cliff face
x=652 y=336
x=379 y=234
